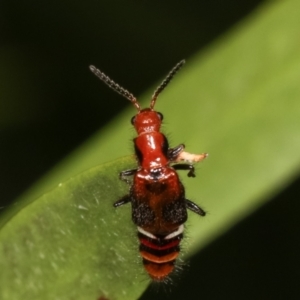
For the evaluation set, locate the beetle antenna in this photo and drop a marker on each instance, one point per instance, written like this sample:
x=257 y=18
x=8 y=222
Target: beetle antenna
x=114 y=86
x=165 y=82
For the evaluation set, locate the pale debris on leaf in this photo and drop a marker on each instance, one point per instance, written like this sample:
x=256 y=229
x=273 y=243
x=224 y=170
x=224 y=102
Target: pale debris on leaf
x=190 y=157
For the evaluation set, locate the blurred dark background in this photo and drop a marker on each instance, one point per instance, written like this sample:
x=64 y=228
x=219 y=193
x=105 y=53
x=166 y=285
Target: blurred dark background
x=50 y=103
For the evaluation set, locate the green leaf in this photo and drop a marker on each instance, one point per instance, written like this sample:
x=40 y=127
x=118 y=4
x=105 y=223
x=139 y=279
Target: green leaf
x=238 y=101
x=71 y=243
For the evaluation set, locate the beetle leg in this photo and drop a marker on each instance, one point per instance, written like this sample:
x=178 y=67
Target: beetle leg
x=194 y=207
x=122 y=201
x=188 y=167
x=124 y=174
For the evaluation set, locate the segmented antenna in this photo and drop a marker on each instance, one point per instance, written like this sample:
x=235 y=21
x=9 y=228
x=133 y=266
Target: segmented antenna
x=162 y=86
x=114 y=86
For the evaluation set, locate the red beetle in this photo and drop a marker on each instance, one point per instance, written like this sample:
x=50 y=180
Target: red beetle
x=157 y=196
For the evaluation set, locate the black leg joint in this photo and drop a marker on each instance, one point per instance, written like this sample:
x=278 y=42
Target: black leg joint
x=174 y=152
x=124 y=174
x=194 y=207
x=188 y=167
x=122 y=201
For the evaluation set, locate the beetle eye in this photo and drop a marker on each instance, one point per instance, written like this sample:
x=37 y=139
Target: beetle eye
x=132 y=120
x=160 y=116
